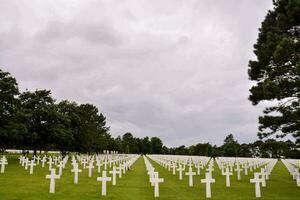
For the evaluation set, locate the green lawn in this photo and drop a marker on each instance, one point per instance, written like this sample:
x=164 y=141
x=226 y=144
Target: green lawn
x=16 y=184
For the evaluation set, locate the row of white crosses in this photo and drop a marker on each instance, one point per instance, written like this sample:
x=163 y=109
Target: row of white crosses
x=182 y=162
x=229 y=165
x=3 y=162
x=104 y=178
x=293 y=166
x=261 y=177
x=153 y=176
x=118 y=163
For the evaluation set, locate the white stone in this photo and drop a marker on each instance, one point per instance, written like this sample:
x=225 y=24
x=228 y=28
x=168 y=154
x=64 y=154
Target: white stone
x=31 y=165
x=180 y=169
x=3 y=162
x=104 y=179
x=52 y=178
x=114 y=173
x=76 y=171
x=256 y=180
x=190 y=173
x=155 y=181
x=90 y=167
x=208 y=180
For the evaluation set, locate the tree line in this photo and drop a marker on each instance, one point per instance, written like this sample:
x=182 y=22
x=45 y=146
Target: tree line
x=34 y=120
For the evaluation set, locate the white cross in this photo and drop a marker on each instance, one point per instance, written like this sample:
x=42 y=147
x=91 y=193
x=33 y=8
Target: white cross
x=98 y=164
x=3 y=162
x=198 y=168
x=174 y=168
x=190 y=173
x=38 y=160
x=208 y=180
x=257 y=182
x=156 y=180
x=227 y=173
x=104 y=179
x=60 y=167
x=26 y=163
x=84 y=162
x=238 y=171
x=90 y=167
x=43 y=161
x=52 y=178
x=180 y=169
x=76 y=170
x=105 y=164
x=114 y=173
x=50 y=162
x=246 y=169
x=31 y=165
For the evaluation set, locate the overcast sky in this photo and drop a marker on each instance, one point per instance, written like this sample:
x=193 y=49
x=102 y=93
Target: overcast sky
x=173 y=69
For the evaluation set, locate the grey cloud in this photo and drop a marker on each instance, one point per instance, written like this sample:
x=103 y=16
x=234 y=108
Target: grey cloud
x=173 y=69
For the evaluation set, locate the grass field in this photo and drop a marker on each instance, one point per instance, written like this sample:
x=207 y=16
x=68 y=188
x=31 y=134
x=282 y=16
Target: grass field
x=18 y=184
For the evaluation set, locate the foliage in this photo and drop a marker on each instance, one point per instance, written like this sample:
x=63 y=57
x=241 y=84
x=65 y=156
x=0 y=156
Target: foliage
x=276 y=71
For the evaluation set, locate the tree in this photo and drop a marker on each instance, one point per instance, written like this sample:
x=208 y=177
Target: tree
x=128 y=143
x=231 y=146
x=156 y=145
x=146 y=145
x=9 y=126
x=276 y=71
x=39 y=121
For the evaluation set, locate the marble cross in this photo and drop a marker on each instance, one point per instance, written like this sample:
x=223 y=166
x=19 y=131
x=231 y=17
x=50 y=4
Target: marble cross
x=190 y=173
x=208 y=180
x=104 y=179
x=52 y=178
x=256 y=180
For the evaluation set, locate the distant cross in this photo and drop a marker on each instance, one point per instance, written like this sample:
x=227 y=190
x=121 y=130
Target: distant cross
x=98 y=164
x=208 y=180
x=198 y=168
x=180 y=169
x=104 y=179
x=227 y=173
x=90 y=167
x=52 y=178
x=50 y=162
x=190 y=173
x=76 y=170
x=174 y=168
x=238 y=171
x=26 y=163
x=114 y=173
x=3 y=162
x=43 y=161
x=38 y=160
x=60 y=167
x=105 y=164
x=31 y=165
x=84 y=162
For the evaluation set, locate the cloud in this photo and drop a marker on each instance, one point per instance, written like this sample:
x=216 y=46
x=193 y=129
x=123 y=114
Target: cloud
x=173 y=69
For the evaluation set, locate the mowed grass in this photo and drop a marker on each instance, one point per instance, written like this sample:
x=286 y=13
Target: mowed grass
x=280 y=186
x=17 y=184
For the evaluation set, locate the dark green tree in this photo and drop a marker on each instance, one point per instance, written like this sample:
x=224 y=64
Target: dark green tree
x=128 y=143
x=10 y=127
x=156 y=145
x=37 y=106
x=146 y=148
x=276 y=71
x=230 y=146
